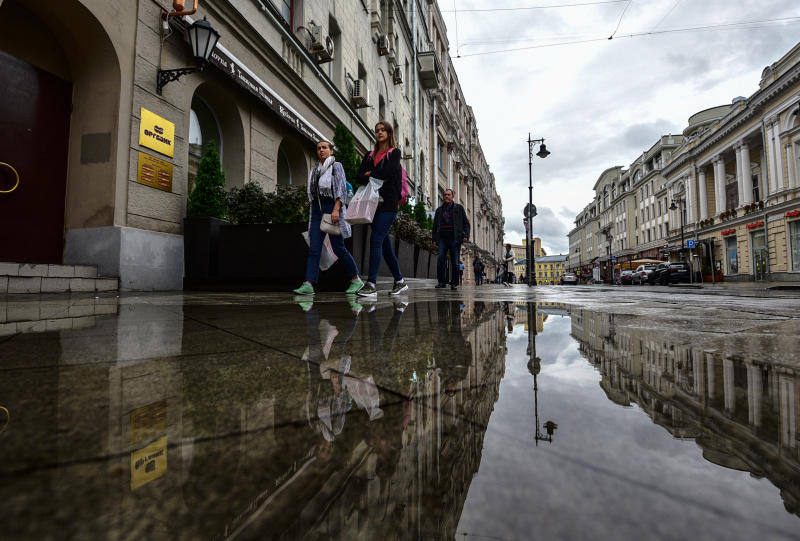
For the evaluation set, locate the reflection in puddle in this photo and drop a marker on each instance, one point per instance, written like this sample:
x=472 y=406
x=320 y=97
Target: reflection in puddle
x=347 y=420
x=742 y=414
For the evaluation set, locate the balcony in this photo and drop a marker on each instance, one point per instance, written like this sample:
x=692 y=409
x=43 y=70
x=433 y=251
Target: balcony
x=429 y=70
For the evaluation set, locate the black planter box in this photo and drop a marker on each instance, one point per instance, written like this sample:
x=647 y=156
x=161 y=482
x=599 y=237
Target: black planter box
x=201 y=248
x=432 y=265
x=405 y=256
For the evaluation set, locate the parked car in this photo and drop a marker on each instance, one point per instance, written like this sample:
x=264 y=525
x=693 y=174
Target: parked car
x=569 y=278
x=642 y=273
x=625 y=277
x=669 y=272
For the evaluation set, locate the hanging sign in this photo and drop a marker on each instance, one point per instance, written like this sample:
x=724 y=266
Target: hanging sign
x=148 y=463
x=154 y=172
x=157 y=133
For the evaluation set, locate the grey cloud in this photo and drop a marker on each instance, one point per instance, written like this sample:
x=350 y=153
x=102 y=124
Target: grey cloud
x=547 y=226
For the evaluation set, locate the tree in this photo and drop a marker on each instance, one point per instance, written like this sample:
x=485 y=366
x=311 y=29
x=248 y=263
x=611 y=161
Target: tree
x=208 y=196
x=420 y=216
x=345 y=148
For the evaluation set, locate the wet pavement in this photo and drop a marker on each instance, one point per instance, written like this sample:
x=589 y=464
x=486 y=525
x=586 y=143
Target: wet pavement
x=498 y=413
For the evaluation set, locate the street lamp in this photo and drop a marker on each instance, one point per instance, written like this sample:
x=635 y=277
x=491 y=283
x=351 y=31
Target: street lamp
x=543 y=153
x=534 y=367
x=580 y=269
x=202 y=39
x=682 y=204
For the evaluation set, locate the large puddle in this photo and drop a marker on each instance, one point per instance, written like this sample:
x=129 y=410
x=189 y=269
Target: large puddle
x=221 y=418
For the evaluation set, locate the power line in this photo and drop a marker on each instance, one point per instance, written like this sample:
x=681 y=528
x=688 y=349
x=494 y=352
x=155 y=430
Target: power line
x=743 y=25
x=620 y=19
x=667 y=14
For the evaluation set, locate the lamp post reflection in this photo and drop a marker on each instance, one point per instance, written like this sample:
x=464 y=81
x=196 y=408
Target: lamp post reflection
x=534 y=367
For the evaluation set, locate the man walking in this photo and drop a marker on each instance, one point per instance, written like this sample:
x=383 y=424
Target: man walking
x=450 y=229
x=477 y=266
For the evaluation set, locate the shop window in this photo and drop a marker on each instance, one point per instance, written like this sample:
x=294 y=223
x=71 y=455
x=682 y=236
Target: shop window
x=731 y=256
x=794 y=244
x=203 y=128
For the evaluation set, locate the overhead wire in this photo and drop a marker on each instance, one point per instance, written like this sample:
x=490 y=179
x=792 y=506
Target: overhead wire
x=742 y=25
x=667 y=14
x=619 y=22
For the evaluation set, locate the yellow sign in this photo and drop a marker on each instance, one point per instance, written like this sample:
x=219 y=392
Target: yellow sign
x=148 y=421
x=148 y=463
x=154 y=172
x=157 y=133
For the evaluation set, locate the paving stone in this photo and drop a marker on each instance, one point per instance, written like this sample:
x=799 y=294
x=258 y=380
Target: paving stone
x=85 y=271
x=31 y=326
x=83 y=322
x=58 y=324
x=8 y=328
x=55 y=285
x=20 y=284
x=26 y=269
x=23 y=311
x=54 y=309
x=9 y=269
x=78 y=310
x=81 y=284
x=61 y=271
x=3 y=284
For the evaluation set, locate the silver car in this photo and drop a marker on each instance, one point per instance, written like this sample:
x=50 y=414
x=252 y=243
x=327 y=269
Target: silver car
x=641 y=274
x=569 y=278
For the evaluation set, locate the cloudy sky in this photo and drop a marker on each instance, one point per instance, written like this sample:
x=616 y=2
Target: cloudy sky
x=599 y=103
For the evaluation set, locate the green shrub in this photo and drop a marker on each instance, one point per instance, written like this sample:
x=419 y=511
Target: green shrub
x=420 y=216
x=288 y=205
x=208 y=196
x=345 y=151
x=248 y=204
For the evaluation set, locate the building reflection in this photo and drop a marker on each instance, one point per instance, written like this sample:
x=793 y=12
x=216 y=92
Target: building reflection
x=353 y=422
x=742 y=413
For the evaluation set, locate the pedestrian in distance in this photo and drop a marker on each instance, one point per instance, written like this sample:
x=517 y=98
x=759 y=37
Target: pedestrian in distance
x=450 y=229
x=478 y=266
x=460 y=272
x=383 y=163
x=327 y=190
x=508 y=262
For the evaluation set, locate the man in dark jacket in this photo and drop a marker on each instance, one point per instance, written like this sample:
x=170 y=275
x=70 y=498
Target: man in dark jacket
x=450 y=229
x=477 y=266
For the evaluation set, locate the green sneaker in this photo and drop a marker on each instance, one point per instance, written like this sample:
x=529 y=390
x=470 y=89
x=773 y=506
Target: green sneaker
x=354 y=287
x=355 y=308
x=398 y=288
x=305 y=289
x=367 y=291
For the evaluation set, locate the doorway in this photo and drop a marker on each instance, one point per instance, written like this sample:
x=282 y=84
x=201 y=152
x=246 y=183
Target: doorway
x=758 y=241
x=34 y=140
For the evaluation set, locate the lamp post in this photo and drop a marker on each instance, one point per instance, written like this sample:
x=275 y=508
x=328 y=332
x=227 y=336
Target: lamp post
x=682 y=204
x=534 y=367
x=580 y=269
x=543 y=153
x=202 y=39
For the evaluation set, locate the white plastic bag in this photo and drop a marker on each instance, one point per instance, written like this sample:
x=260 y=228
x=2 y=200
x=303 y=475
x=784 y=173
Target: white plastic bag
x=361 y=209
x=326 y=257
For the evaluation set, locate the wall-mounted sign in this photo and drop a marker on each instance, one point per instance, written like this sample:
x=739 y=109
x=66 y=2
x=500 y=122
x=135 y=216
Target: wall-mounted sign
x=148 y=463
x=157 y=133
x=154 y=172
x=148 y=422
x=244 y=78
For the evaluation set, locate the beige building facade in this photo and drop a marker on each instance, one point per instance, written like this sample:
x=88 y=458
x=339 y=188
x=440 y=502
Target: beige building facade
x=282 y=75
x=724 y=195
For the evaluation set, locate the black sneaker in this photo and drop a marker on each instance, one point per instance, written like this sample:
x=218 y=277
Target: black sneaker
x=453 y=288
x=440 y=286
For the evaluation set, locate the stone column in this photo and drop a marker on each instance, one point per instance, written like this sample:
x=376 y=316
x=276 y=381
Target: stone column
x=727 y=385
x=779 y=178
x=746 y=196
x=754 y=390
x=702 y=193
x=719 y=184
x=791 y=157
x=689 y=200
x=771 y=169
x=739 y=172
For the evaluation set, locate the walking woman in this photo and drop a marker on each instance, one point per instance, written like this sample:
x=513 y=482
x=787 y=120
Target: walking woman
x=327 y=190
x=383 y=163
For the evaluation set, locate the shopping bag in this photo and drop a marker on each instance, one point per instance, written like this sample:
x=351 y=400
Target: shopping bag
x=326 y=257
x=361 y=209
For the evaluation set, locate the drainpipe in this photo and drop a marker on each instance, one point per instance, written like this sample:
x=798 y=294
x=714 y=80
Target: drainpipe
x=435 y=179
x=414 y=152
x=766 y=243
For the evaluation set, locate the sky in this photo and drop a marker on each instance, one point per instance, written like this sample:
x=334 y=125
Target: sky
x=600 y=103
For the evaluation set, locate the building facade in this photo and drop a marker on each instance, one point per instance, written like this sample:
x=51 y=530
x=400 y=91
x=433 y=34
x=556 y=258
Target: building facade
x=549 y=269
x=283 y=74
x=724 y=195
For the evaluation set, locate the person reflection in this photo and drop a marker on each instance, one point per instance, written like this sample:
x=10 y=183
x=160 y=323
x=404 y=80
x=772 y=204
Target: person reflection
x=451 y=351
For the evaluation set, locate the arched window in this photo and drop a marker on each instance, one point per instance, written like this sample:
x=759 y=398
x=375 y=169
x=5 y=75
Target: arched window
x=203 y=127
x=292 y=163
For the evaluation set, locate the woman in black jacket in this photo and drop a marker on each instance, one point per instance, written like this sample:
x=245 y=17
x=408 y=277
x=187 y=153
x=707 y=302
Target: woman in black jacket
x=383 y=163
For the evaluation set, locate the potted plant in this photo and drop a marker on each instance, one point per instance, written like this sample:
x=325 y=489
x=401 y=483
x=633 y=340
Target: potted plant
x=205 y=216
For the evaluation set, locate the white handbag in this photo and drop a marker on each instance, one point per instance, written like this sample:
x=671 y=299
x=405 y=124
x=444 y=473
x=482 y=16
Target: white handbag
x=327 y=225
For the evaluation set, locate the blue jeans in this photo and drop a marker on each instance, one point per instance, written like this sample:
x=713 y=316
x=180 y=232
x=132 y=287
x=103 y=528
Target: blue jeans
x=453 y=247
x=317 y=237
x=381 y=244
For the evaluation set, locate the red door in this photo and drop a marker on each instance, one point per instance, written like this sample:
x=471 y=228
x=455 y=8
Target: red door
x=34 y=136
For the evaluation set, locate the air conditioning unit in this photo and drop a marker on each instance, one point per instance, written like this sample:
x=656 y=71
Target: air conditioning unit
x=360 y=95
x=383 y=45
x=320 y=45
x=397 y=75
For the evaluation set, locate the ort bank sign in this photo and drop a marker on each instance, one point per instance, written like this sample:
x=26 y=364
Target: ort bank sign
x=157 y=133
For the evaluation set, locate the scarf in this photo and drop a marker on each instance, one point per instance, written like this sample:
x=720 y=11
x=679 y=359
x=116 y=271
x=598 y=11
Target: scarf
x=321 y=181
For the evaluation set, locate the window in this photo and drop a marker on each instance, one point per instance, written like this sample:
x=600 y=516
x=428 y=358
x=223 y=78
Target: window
x=203 y=127
x=756 y=189
x=731 y=257
x=440 y=154
x=284 y=7
x=794 y=244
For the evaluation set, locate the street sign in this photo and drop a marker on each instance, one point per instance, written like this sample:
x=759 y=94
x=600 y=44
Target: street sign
x=613 y=258
x=690 y=243
x=529 y=210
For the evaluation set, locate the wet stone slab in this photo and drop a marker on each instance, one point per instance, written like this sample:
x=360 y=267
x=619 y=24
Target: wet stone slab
x=494 y=412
